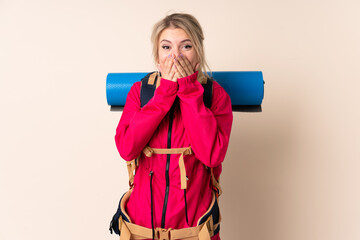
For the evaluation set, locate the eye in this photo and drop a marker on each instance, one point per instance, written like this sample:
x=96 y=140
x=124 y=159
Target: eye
x=165 y=47
x=187 y=46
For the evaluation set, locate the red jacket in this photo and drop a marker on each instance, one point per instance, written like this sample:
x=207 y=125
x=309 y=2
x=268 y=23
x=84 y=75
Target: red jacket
x=206 y=130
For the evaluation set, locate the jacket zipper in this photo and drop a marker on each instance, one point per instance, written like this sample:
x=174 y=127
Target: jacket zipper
x=167 y=168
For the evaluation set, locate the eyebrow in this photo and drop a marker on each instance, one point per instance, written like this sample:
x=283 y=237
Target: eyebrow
x=185 y=40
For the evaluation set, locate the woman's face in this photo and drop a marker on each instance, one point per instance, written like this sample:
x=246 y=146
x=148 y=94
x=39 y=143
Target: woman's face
x=176 y=41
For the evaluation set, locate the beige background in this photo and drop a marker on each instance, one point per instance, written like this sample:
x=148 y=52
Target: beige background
x=291 y=172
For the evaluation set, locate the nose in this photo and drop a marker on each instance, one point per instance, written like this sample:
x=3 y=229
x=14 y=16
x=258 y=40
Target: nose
x=176 y=52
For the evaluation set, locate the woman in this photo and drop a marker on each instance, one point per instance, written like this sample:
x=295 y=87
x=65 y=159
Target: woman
x=175 y=117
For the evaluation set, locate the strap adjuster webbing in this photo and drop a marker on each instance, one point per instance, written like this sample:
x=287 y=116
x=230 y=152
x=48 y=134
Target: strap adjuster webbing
x=203 y=231
x=149 y=151
x=131 y=166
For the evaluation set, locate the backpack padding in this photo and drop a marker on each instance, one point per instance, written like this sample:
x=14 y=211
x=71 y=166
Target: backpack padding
x=214 y=211
x=147 y=90
x=114 y=224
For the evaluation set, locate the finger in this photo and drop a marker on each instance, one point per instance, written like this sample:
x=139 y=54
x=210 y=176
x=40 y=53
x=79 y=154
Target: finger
x=180 y=69
x=172 y=72
x=167 y=60
x=186 y=65
x=183 y=65
x=168 y=64
x=177 y=75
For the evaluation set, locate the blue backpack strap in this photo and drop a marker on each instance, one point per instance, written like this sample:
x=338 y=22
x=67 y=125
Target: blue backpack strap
x=148 y=89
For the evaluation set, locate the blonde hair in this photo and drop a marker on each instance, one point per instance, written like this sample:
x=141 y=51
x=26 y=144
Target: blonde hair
x=191 y=26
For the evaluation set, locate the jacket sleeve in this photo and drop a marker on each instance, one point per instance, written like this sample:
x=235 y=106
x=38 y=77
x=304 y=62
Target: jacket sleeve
x=137 y=125
x=208 y=129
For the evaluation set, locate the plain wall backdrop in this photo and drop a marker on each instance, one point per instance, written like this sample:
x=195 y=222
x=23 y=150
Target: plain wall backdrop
x=291 y=172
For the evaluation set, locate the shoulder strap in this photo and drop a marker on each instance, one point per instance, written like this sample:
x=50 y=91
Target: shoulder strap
x=208 y=90
x=148 y=88
x=149 y=84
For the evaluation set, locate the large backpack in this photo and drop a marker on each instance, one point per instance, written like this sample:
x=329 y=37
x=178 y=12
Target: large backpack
x=208 y=224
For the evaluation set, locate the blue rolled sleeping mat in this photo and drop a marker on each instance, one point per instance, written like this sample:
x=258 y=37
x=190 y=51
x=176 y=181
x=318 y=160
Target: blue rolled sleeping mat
x=245 y=88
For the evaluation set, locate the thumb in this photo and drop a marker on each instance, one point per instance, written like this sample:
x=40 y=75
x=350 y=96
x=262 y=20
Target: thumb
x=197 y=67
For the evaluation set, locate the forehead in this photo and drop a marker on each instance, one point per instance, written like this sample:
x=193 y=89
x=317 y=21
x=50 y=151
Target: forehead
x=173 y=35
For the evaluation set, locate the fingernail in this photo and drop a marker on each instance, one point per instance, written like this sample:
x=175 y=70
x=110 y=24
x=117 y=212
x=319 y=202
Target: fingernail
x=169 y=56
x=181 y=55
